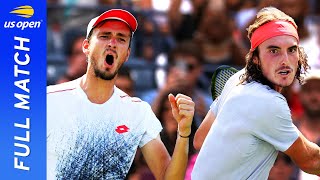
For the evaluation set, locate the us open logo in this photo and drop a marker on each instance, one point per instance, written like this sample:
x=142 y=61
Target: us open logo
x=26 y=12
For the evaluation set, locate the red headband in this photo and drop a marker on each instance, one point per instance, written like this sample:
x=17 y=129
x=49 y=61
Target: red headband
x=272 y=29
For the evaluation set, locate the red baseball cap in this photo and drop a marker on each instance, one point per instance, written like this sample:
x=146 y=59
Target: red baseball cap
x=115 y=14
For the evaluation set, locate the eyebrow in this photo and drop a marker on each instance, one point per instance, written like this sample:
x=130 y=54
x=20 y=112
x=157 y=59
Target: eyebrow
x=118 y=34
x=277 y=47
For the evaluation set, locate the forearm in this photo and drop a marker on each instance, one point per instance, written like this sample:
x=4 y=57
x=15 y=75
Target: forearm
x=203 y=130
x=174 y=8
x=313 y=167
x=199 y=139
x=305 y=154
x=174 y=13
x=183 y=111
x=178 y=164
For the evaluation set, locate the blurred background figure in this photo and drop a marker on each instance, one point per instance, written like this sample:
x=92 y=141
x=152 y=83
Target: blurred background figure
x=147 y=35
x=247 y=9
x=124 y=81
x=139 y=169
x=217 y=36
x=75 y=58
x=184 y=72
x=185 y=16
x=309 y=122
x=283 y=168
x=291 y=93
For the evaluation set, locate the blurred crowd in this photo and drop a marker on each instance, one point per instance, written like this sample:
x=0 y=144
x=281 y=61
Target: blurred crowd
x=177 y=47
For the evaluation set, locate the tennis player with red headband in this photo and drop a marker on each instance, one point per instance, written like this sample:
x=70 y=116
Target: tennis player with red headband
x=250 y=122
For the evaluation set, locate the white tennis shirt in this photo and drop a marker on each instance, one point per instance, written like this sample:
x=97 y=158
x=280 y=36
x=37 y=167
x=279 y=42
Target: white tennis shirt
x=253 y=122
x=94 y=141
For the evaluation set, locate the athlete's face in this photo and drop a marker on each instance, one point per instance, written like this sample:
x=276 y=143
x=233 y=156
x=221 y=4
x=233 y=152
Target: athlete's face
x=108 y=48
x=278 y=59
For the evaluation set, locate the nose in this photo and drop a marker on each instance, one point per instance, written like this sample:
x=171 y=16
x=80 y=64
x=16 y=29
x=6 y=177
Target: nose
x=285 y=58
x=112 y=42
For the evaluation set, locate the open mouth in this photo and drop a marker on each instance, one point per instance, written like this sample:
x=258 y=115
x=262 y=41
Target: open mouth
x=284 y=72
x=109 y=59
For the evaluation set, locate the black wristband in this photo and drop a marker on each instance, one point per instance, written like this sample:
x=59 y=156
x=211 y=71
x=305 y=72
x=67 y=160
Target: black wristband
x=184 y=136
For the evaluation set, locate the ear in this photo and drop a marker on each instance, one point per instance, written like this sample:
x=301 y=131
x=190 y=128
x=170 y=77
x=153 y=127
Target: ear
x=85 y=47
x=255 y=60
x=128 y=54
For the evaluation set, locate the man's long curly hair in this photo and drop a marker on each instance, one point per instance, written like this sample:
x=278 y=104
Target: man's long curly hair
x=253 y=71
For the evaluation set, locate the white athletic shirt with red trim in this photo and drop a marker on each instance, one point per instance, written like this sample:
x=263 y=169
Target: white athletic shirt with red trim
x=94 y=141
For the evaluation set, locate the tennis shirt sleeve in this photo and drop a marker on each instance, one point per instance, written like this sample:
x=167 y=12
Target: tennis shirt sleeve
x=275 y=124
x=214 y=106
x=151 y=124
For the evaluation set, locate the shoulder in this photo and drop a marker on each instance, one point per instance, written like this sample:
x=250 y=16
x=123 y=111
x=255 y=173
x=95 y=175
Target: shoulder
x=268 y=103
x=261 y=97
x=133 y=105
x=126 y=99
x=63 y=87
x=262 y=91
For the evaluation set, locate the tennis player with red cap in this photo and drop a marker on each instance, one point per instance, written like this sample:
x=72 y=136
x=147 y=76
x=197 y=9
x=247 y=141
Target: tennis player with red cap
x=250 y=122
x=94 y=128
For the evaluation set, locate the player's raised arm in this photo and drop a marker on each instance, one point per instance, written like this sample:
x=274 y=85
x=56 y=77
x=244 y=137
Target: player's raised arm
x=155 y=153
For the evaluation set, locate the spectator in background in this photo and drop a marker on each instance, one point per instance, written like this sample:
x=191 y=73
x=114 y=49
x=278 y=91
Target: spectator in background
x=184 y=17
x=54 y=37
x=247 y=10
x=148 y=51
x=148 y=35
x=76 y=59
x=292 y=96
x=76 y=13
x=154 y=34
x=184 y=70
x=220 y=46
x=309 y=123
x=283 y=168
x=167 y=38
x=124 y=81
x=233 y=6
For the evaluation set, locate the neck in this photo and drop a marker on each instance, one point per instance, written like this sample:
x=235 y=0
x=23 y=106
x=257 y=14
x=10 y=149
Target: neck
x=97 y=90
x=278 y=89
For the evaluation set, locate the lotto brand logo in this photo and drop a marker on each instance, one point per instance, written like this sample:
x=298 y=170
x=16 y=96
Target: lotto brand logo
x=27 y=12
x=122 y=129
x=23 y=11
